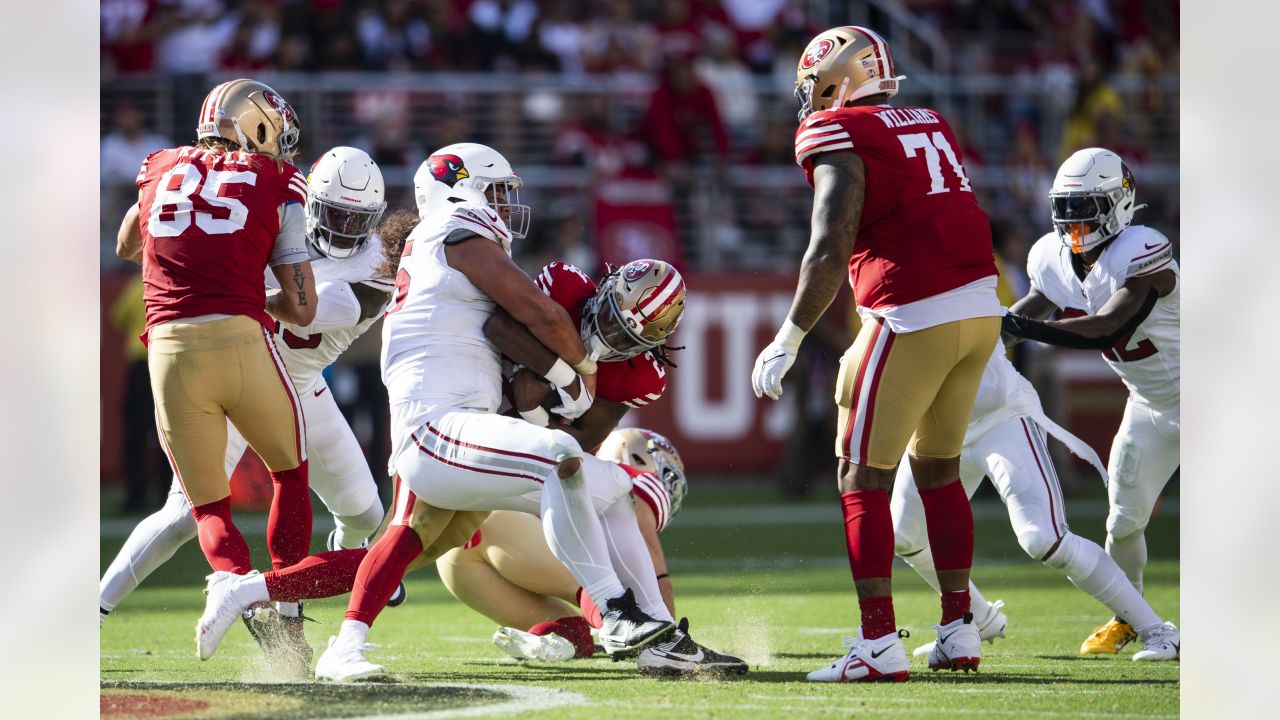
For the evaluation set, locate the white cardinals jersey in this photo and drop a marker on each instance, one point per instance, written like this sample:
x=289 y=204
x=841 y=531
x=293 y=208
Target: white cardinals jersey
x=1147 y=361
x=1004 y=395
x=307 y=351
x=435 y=356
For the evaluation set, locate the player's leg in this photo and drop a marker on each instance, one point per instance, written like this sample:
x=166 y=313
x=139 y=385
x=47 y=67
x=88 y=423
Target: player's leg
x=157 y=538
x=193 y=372
x=1144 y=455
x=935 y=464
x=269 y=414
x=338 y=471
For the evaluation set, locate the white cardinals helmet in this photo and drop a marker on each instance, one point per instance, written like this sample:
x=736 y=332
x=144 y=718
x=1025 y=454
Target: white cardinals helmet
x=1092 y=199
x=651 y=452
x=346 y=197
x=476 y=167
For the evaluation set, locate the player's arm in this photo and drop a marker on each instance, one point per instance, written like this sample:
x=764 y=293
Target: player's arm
x=490 y=269
x=129 y=238
x=341 y=304
x=594 y=426
x=649 y=530
x=1034 y=304
x=1124 y=312
x=839 y=184
x=290 y=263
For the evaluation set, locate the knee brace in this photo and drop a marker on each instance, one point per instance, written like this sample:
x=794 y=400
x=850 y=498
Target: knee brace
x=1072 y=557
x=1123 y=522
x=564 y=447
x=362 y=524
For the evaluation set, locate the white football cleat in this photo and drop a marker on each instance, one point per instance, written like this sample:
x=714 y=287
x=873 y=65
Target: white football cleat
x=523 y=645
x=991 y=626
x=221 y=610
x=345 y=662
x=958 y=647
x=1162 y=643
x=882 y=659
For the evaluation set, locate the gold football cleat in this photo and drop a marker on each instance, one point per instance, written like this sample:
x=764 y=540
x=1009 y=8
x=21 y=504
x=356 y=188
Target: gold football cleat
x=1109 y=639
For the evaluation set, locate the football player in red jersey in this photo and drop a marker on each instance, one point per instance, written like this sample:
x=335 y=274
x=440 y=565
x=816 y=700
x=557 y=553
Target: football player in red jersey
x=893 y=204
x=210 y=219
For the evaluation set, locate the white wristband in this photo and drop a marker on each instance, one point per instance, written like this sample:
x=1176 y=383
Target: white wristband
x=790 y=335
x=538 y=416
x=560 y=374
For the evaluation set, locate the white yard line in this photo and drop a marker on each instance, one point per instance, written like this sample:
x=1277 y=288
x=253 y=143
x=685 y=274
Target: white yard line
x=523 y=699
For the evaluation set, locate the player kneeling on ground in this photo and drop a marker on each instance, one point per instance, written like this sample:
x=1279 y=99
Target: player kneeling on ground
x=508 y=574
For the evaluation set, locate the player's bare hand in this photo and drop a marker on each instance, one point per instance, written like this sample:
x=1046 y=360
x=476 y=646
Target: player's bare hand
x=528 y=389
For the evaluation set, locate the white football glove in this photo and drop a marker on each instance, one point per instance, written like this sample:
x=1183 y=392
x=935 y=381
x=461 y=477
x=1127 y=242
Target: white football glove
x=775 y=360
x=570 y=407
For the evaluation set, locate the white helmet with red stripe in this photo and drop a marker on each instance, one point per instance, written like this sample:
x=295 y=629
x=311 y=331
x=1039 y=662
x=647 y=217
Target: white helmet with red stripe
x=251 y=115
x=841 y=65
x=635 y=309
x=653 y=453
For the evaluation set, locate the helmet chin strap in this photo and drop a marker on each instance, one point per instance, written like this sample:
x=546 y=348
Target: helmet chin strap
x=844 y=89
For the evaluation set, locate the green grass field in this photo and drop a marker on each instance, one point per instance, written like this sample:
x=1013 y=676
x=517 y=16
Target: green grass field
x=766 y=582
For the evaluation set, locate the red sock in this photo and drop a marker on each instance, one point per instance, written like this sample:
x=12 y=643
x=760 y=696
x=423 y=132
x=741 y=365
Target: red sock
x=868 y=533
x=317 y=576
x=955 y=605
x=877 y=617
x=223 y=545
x=949 y=521
x=589 y=610
x=289 y=524
x=381 y=572
x=574 y=629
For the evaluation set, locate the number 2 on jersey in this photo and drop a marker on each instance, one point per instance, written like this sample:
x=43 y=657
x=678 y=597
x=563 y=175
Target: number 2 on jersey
x=184 y=195
x=1121 y=352
x=931 y=144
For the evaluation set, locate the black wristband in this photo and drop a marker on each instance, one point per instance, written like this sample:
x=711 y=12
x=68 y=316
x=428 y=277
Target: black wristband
x=663 y=575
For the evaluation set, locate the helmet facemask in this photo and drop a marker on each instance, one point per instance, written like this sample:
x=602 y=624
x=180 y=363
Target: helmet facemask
x=605 y=331
x=339 y=231
x=503 y=195
x=671 y=474
x=1086 y=219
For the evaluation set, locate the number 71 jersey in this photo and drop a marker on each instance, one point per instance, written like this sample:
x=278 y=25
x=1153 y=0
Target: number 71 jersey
x=922 y=232
x=1147 y=360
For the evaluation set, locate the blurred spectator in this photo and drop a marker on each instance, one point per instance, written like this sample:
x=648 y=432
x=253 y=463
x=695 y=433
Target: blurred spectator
x=1030 y=173
x=1095 y=100
x=129 y=32
x=127 y=145
x=682 y=112
x=201 y=29
x=617 y=42
x=720 y=69
x=394 y=37
x=561 y=34
x=128 y=317
x=504 y=28
x=591 y=141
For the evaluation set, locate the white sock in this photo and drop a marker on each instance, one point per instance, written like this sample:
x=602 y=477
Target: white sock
x=576 y=537
x=1130 y=553
x=353 y=632
x=353 y=530
x=252 y=589
x=922 y=563
x=149 y=546
x=631 y=558
x=1093 y=571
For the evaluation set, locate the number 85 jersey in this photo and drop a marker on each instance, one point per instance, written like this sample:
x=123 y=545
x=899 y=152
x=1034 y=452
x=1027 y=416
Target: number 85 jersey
x=922 y=232
x=1147 y=361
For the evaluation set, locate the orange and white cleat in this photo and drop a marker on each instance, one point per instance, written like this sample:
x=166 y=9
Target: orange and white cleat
x=1109 y=639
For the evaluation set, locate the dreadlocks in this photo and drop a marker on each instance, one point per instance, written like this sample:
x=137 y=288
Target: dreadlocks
x=394 y=231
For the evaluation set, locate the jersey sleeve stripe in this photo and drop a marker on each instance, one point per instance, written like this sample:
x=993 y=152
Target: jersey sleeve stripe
x=818 y=131
x=652 y=396
x=544 y=280
x=1151 y=262
x=834 y=137
x=654 y=489
x=800 y=158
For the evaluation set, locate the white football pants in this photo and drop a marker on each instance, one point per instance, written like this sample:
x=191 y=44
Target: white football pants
x=465 y=460
x=337 y=473
x=1015 y=455
x=1144 y=455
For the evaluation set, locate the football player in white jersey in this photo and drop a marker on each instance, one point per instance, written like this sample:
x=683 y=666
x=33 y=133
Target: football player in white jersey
x=1007 y=442
x=346 y=197
x=1125 y=280
x=451 y=451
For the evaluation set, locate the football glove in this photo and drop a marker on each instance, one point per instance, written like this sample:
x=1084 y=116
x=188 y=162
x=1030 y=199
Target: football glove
x=775 y=360
x=571 y=407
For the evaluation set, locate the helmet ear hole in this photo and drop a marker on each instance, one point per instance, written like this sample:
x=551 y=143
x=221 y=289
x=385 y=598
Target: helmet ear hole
x=262 y=133
x=831 y=90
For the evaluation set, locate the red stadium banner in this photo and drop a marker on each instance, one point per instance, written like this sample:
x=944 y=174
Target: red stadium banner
x=634 y=218
x=709 y=410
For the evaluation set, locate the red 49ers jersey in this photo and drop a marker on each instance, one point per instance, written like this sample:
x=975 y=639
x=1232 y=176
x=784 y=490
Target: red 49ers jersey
x=209 y=222
x=635 y=382
x=922 y=232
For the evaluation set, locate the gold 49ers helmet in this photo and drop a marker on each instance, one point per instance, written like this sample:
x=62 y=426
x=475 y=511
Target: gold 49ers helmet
x=843 y=64
x=253 y=116
x=635 y=309
x=648 y=451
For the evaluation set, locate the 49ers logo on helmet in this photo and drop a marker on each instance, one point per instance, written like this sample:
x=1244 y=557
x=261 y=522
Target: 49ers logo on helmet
x=279 y=104
x=636 y=270
x=816 y=52
x=448 y=169
x=660 y=441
